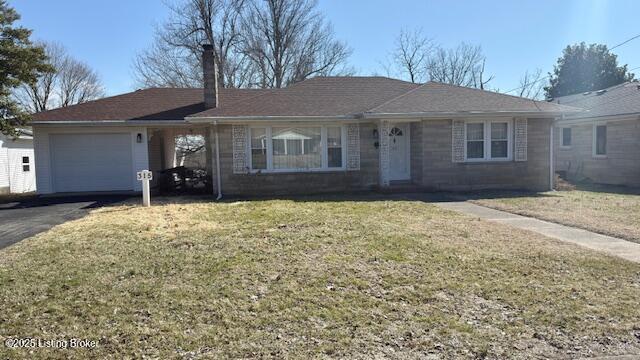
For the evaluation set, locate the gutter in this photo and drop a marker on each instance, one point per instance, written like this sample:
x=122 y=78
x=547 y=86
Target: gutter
x=460 y=114
x=260 y=119
x=111 y=123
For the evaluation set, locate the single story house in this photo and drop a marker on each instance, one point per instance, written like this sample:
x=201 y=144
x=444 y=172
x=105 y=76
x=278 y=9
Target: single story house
x=601 y=144
x=17 y=171
x=325 y=134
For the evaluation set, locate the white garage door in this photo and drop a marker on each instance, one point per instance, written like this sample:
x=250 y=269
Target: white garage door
x=91 y=162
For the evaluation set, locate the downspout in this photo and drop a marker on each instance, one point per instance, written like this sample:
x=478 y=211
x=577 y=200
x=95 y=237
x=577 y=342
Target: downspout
x=218 y=178
x=551 y=156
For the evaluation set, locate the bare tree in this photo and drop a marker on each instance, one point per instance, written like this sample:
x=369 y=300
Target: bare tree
x=463 y=66
x=532 y=85
x=174 y=58
x=289 y=41
x=72 y=82
x=411 y=55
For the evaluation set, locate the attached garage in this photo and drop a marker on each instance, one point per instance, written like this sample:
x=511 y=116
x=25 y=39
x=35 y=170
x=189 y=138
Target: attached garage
x=91 y=162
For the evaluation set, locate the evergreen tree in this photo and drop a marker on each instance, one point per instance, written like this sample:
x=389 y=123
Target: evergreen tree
x=585 y=68
x=21 y=62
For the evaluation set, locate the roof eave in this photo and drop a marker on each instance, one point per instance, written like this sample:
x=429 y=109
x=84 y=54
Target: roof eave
x=463 y=114
x=108 y=122
x=236 y=119
x=587 y=119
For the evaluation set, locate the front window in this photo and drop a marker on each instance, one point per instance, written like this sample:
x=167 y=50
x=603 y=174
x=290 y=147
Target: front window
x=499 y=140
x=297 y=148
x=488 y=140
x=600 y=140
x=334 y=146
x=475 y=141
x=258 y=148
x=566 y=137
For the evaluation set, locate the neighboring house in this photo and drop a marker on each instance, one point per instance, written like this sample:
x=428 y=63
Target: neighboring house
x=320 y=135
x=17 y=171
x=601 y=144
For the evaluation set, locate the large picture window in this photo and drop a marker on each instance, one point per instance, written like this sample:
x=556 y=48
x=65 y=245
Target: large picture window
x=297 y=148
x=488 y=140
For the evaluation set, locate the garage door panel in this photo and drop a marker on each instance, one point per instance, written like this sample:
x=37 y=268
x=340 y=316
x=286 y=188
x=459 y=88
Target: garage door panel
x=91 y=162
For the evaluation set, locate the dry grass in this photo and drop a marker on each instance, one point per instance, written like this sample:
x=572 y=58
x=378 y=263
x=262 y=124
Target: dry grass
x=299 y=279
x=605 y=210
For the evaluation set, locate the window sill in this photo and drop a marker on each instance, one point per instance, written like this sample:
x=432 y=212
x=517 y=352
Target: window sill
x=293 y=171
x=600 y=157
x=487 y=161
x=565 y=147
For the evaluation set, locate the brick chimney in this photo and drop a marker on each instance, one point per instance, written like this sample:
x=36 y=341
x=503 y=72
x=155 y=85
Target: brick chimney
x=210 y=72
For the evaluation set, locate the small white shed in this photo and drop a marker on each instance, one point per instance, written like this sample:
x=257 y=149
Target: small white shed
x=17 y=170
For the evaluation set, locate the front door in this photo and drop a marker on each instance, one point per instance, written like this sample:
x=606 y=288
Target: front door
x=399 y=152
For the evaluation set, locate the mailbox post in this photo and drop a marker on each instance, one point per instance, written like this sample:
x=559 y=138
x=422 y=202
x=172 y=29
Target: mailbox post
x=145 y=176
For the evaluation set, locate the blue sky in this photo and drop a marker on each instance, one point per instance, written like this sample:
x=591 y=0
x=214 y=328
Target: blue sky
x=515 y=35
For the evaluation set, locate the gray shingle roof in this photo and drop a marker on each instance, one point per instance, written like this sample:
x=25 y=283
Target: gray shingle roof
x=147 y=104
x=437 y=97
x=617 y=100
x=321 y=96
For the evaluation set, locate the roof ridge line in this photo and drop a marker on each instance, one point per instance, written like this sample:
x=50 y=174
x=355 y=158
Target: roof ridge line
x=395 y=98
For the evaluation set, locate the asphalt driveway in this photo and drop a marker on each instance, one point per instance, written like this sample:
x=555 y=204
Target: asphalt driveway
x=27 y=217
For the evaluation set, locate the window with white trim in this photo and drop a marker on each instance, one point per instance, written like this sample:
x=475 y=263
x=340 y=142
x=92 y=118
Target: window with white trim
x=297 y=148
x=258 y=148
x=488 y=140
x=566 y=137
x=600 y=140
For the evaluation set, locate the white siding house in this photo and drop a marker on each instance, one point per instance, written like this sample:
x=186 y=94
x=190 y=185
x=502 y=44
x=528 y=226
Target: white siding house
x=17 y=170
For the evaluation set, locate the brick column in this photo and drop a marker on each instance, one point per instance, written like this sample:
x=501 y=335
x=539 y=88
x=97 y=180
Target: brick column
x=383 y=131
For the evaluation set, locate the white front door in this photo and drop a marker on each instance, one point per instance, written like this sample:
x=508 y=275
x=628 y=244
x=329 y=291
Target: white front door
x=399 y=152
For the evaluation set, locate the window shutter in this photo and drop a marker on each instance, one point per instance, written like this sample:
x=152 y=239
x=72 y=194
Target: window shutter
x=353 y=147
x=457 y=141
x=520 y=139
x=239 y=133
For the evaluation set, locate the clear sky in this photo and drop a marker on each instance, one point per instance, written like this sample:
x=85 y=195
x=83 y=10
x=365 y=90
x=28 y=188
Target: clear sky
x=515 y=35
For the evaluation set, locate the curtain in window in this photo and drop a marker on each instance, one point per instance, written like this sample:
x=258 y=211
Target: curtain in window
x=296 y=148
x=499 y=140
x=475 y=140
x=258 y=148
x=334 y=146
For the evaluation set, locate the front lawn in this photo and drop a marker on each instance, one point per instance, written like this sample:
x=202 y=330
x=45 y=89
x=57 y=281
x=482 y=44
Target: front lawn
x=608 y=210
x=364 y=278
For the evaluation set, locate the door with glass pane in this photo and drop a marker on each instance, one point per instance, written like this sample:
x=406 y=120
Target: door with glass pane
x=399 y=152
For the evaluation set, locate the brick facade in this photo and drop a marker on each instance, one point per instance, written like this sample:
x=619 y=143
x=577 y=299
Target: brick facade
x=432 y=165
x=440 y=172
x=621 y=166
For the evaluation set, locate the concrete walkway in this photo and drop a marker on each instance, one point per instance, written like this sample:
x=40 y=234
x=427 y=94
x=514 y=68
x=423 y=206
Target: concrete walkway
x=610 y=245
